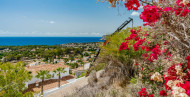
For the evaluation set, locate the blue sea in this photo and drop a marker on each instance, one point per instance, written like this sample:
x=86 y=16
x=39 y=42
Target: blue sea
x=21 y=41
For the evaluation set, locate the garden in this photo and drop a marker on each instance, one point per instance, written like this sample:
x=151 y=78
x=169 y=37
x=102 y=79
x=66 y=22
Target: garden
x=154 y=56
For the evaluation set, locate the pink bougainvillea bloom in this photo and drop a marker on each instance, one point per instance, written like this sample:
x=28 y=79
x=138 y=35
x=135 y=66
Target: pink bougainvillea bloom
x=143 y=92
x=143 y=47
x=166 y=9
x=137 y=38
x=151 y=14
x=165 y=42
x=188 y=75
x=146 y=35
x=132 y=4
x=148 y=49
x=186 y=86
x=156 y=50
x=188 y=58
x=182 y=12
x=182 y=3
x=171 y=76
x=188 y=64
x=145 y=56
x=138 y=43
x=132 y=36
x=124 y=46
x=163 y=93
x=163 y=51
x=172 y=71
x=151 y=95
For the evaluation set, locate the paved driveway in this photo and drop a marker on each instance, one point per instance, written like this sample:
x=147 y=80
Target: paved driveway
x=67 y=89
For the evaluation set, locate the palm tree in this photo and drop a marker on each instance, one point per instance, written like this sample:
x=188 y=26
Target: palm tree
x=59 y=71
x=43 y=74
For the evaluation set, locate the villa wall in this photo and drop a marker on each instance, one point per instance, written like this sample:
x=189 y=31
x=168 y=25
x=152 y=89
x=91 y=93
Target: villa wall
x=34 y=79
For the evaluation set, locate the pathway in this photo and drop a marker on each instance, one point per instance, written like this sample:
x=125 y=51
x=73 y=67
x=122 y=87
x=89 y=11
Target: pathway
x=68 y=88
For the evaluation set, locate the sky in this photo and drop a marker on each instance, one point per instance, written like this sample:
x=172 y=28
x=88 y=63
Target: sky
x=61 y=18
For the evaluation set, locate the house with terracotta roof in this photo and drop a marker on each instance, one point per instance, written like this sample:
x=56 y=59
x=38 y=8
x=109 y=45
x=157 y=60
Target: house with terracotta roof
x=49 y=67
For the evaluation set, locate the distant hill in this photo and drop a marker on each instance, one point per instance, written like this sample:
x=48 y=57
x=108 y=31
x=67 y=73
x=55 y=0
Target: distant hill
x=104 y=37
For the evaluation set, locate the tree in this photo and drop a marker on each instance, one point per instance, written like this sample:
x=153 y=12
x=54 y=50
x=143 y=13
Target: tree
x=71 y=57
x=59 y=71
x=66 y=60
x=43 y=74
x=12 y=79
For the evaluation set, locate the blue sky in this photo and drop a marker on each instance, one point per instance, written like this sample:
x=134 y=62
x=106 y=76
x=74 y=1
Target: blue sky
x=61 y=18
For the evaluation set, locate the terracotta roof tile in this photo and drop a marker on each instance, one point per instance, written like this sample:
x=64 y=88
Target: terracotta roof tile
x=49 y=67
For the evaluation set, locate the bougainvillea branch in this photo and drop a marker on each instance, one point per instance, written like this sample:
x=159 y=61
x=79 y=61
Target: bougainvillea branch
x=164 y=48
x=168 y=13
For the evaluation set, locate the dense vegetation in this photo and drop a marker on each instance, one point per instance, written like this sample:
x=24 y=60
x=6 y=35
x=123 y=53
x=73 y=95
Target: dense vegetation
x=12 y=80
x=156 y=60
x=10 y=53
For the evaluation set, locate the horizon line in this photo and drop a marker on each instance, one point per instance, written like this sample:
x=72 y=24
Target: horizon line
x=50 y=36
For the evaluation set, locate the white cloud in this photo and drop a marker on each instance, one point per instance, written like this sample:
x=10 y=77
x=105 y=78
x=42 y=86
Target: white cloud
x=47 y=21
x=51 y=22
x=134 y=13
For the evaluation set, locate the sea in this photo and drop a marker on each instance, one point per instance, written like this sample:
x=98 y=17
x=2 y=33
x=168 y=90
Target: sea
x=23 y=41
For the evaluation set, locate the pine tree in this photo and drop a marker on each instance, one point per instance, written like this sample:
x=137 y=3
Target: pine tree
x=12 y=79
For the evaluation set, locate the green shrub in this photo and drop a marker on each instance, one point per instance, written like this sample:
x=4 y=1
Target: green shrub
x=82 y=75
x=133 y=80
x=100 y=66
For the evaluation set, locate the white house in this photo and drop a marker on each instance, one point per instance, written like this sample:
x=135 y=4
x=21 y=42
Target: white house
x=33 y=64
x=86 y=66
x=49 y=67
x=85 y=58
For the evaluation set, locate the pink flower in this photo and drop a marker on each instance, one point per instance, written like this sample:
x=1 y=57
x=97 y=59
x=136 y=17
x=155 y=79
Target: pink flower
x=150 y=14
x=133 y=35
x=143 y=92
x=143 y=47
x=151 y=95
x=146 y=35
x=188 y=64
x=188 y=75
x=186 y=86
x=184 y=12
x=165 y=42
x=164 y=51
x=132 y=4
x=166 y=9
x=123 y=46
x=168 y=56
x=181 y=3
x=138 y=43
x=163 y=93
x=188 y=58
x=145 y=56
x=137 y=38
x=156 y=50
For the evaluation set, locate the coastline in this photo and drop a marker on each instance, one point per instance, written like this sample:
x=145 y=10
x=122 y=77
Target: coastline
x=50 y=41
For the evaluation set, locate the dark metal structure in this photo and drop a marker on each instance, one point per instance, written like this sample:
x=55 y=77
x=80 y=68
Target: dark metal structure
x=117 y=31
